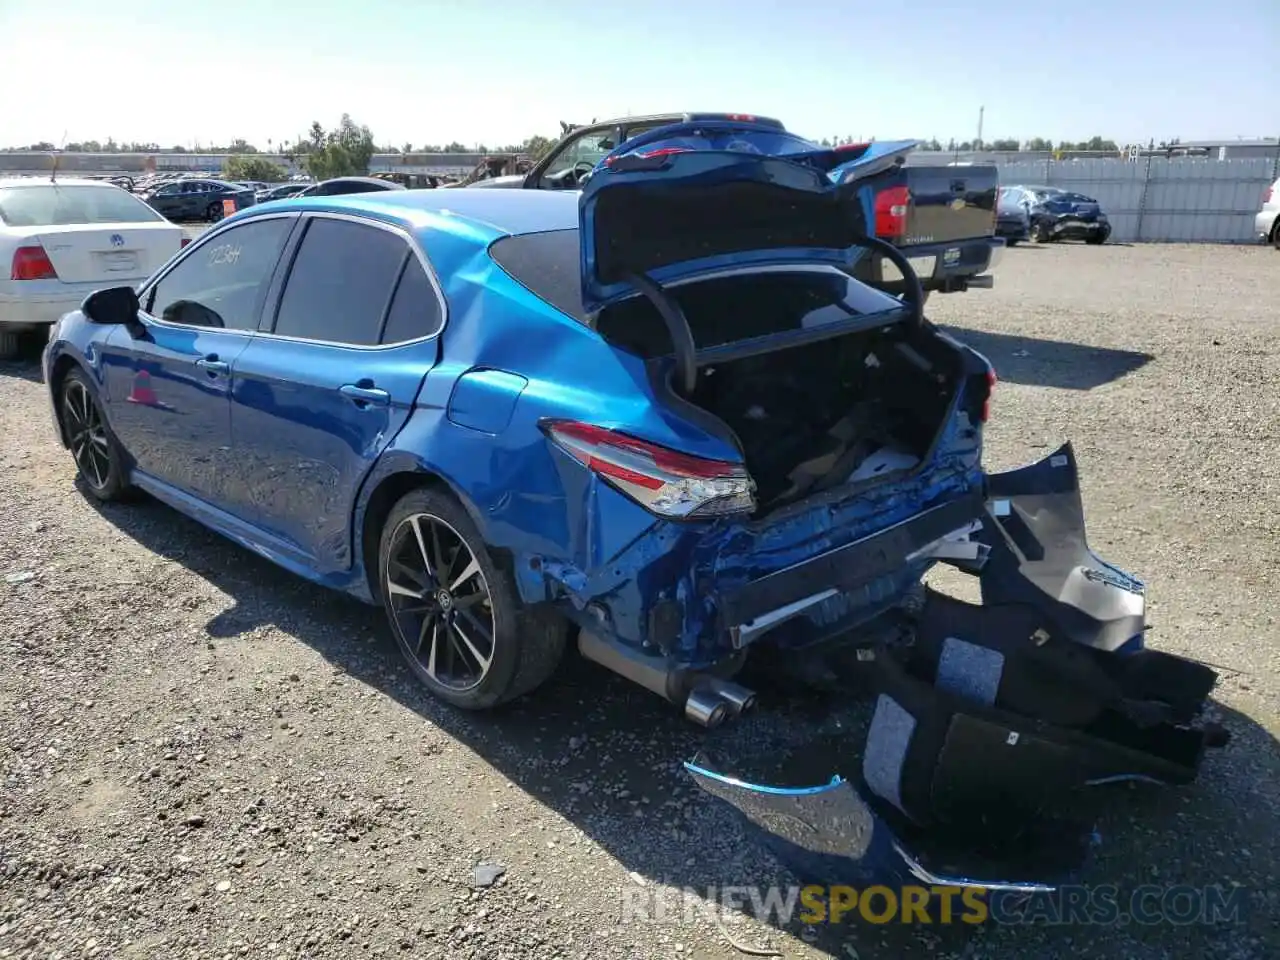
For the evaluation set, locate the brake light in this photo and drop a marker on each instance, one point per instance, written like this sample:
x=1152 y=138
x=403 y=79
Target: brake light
x=891 y=212
x=850 y=147
x=663 y=481
x=32 y=263
x=741 y=117
x=185 y=241
x=986 y=403
x=1266 y=195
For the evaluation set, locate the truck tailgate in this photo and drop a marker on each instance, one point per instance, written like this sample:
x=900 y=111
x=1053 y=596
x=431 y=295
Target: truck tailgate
x=950 y=203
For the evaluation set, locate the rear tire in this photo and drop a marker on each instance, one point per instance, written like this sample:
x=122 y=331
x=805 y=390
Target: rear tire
x=1012 y=241
x=99 y=457
x=455 y=613
x=10 y=344
x=1039 y=234
x=213 y=213
x=1275 y=234
x=1099 y=238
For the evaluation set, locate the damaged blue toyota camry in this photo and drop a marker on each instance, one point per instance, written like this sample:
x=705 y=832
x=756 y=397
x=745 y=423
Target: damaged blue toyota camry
x=660 y=417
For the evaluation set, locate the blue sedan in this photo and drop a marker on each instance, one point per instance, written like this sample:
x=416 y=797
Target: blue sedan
x=659 y=415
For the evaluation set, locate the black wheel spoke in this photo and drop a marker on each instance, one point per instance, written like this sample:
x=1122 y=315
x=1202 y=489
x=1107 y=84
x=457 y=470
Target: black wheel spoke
x=427 y=631
x=474 y=628
x=437 y=552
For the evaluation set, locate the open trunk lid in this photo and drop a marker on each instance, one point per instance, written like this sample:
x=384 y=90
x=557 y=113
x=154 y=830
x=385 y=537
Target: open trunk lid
x=692 y=198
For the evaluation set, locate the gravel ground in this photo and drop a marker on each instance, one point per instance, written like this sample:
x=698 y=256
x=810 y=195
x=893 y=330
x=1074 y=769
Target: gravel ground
x=205 y=757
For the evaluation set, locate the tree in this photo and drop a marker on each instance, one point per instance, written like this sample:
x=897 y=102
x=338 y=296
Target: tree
x=1004 y=146
x=250 y=167
x=343 y=152
x=239 y=145
x=536 y=147
x=1040 y=145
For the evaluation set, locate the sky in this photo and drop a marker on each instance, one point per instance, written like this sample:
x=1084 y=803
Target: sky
x=479 y=71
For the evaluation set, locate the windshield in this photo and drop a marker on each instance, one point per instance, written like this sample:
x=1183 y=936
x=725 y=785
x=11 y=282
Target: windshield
x=52 y=205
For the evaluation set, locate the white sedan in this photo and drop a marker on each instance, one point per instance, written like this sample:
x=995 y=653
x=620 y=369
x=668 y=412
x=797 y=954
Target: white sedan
x=60 y=241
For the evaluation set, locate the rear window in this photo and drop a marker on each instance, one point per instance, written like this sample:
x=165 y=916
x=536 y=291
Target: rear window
x=51 y=205
x=548 y=264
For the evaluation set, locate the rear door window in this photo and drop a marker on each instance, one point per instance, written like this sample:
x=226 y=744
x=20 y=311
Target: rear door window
x=50 y=205
x=341 y=283
x=415 y=308
x=221 y=283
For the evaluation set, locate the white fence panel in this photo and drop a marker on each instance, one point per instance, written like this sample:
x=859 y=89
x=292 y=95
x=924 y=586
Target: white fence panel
x=1158 y=199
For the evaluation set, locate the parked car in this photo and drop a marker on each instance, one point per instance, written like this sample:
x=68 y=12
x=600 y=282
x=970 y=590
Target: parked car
x=61 y=240
x=1013 y=215
x=1058 y=214
x=664 y=417
x=280 y=191
x=1267 y=222
x=340 y=186
x=195 y=199
x=943 y=219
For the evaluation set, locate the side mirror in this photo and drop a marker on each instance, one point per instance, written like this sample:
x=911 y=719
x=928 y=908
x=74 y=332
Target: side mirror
x=115 y=305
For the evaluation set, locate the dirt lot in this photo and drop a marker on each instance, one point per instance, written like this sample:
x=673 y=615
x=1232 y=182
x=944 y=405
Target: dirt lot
x=204 y=757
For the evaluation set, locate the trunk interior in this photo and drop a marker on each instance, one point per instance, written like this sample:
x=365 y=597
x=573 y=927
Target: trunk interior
x=809 y=418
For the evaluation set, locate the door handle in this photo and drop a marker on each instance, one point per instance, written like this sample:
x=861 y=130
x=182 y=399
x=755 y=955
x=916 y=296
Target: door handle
x=364 y=396
x=212 y=365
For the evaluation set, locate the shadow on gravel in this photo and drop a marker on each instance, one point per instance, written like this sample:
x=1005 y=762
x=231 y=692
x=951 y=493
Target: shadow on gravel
x=26 y=366
x=1050 y=363
x=605 y=755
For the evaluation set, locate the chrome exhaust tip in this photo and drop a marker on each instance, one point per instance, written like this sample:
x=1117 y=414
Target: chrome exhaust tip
x=738 y=697
x=707 y=708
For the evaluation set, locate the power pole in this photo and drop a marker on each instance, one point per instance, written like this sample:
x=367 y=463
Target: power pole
x=978 y=145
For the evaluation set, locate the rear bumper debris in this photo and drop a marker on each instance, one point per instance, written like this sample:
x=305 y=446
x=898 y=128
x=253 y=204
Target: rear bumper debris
x=988 y=719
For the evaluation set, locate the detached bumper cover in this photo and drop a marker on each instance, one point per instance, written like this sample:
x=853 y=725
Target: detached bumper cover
x=991 y=717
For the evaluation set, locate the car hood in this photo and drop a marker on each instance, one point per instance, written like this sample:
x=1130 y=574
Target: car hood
x=509 y=181
x=693 y=198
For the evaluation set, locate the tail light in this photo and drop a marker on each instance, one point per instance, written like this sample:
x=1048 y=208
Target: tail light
x=986 y=402
x=651 y=160
x=32 y=263
x=663 y=481
x=891 y=212
x=1266 y=195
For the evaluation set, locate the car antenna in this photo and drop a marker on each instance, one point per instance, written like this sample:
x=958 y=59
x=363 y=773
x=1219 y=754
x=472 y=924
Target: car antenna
x=53 y=171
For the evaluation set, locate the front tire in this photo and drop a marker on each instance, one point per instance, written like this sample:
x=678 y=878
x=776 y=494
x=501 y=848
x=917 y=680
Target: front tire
x=98 y=456
x=454 y=613
x=1275 y=234
x=213 y=213
x=1039 y=233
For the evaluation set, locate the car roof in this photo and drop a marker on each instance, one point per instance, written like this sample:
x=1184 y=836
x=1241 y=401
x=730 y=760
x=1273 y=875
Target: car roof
x=492 y=214
x=46 y=182
x=353 y=179
x=676 y=117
